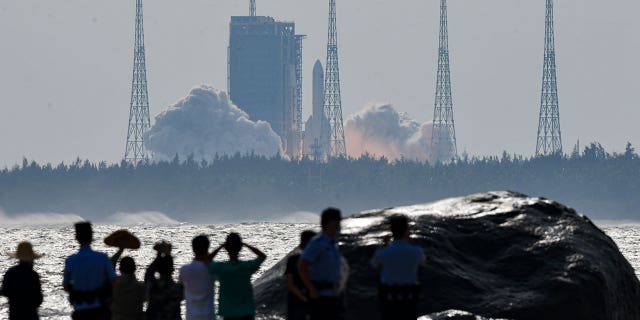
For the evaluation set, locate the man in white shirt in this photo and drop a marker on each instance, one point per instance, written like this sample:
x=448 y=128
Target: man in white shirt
x=398 y=263
x=198 y=284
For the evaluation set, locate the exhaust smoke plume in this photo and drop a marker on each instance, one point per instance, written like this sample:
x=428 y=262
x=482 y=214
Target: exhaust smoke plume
x=380 y=130
x=206 y=123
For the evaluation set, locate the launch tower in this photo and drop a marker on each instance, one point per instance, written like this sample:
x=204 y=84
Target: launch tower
x=443 y=136
x=139 y=121
x=549 y=140
x=332 y=94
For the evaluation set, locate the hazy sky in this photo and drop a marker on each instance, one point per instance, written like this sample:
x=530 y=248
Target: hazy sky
x=65 y=66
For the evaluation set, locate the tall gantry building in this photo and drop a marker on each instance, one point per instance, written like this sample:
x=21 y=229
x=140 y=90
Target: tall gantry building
x=263 y=72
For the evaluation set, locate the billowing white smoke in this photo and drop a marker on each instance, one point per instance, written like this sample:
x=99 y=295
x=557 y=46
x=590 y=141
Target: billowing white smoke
x=380 y=130
x=206 y=123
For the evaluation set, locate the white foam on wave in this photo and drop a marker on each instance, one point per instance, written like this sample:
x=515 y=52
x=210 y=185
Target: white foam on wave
x=38 y=219
x=138 y=218
x=616 y=223
x=297 y=217
x=60 y=219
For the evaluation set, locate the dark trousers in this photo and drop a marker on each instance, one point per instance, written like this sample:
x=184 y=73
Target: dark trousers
x=297 y=310
x=399 y=302
x=91 y=314
x=399 y=310
x=326 y=308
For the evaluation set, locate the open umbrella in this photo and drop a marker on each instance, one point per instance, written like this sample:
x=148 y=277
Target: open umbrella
x=122 y=239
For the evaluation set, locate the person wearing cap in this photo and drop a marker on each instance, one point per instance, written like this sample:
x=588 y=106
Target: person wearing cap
x=320 y=269
x=21 y=285
x=163 y=249
x=88 y=277
x=165 y=295
x=398 y=262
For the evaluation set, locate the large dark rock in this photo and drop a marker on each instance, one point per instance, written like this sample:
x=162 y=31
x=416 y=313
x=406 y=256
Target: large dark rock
x=496 y=255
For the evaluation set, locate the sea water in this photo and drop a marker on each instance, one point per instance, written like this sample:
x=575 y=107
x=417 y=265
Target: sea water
x=56 y=241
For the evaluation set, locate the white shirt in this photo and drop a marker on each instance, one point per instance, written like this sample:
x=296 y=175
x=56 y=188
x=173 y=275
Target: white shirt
x=198 y=291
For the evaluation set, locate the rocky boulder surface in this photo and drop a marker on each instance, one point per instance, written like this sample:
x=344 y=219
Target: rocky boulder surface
x=494 y=255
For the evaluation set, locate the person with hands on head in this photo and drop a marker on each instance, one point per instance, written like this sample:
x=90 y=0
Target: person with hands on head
x=236 y=301
x=320 y=269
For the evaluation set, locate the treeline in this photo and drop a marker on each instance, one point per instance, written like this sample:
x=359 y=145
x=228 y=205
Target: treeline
x=596 y=182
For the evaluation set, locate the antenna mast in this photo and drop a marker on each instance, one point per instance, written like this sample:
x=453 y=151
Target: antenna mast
x=549 y=140
x=252 y=8
x=332 y=94
x=139 y=121
x=443 y=137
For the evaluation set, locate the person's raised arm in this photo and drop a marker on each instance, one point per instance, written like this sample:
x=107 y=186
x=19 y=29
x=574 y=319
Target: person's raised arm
x=215 y=252
x=256 y=251
x=116 y=257
x=303 y=270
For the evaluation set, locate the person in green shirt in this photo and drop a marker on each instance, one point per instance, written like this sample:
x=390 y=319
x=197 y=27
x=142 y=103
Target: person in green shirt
x=235 y=299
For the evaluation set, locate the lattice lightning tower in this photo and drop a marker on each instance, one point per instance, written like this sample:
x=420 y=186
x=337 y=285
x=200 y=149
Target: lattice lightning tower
x=549 y=136
x=139 y=121
x=443 y=137
x=252 y=8
x=332 y=95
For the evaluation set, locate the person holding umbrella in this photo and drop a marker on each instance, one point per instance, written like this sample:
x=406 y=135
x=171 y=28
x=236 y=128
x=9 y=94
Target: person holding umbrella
x=21 y=285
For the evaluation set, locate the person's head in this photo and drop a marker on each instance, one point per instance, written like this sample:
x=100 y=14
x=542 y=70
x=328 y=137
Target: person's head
x=127 y=265
x=305 y=237
x=330 y=221
x=24 y=253
x=233 y=244
x=200 y=245
x=399 y=226
x=165 y=266
x=84 y=232
x=162 y=248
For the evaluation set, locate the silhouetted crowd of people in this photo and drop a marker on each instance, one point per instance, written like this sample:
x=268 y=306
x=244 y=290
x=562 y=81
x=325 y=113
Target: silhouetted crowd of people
x=316 y=278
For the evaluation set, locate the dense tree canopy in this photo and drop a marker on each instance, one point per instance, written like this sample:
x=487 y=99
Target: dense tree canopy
x=595 y=182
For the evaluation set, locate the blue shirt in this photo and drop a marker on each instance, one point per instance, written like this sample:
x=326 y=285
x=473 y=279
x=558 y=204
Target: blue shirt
x=324 y=261
x=87 y=270
x=398 y=263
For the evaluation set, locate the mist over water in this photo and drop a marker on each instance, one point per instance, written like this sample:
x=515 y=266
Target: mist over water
x=152 y=218
x=38 y=219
